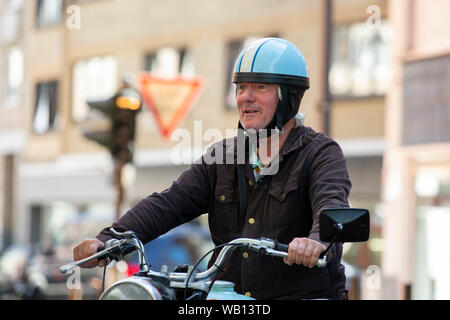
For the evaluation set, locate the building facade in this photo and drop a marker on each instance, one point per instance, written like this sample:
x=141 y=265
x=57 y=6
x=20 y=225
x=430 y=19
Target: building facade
x=416 y=166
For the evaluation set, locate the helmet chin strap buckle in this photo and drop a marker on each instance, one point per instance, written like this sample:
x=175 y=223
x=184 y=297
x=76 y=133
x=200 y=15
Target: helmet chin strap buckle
x=279 y=131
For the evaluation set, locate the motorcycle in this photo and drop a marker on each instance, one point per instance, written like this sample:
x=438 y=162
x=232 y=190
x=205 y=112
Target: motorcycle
x=336 y=225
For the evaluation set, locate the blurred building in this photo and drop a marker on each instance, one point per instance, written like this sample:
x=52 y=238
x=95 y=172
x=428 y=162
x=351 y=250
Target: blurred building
x=55 y=54
x=416 y=171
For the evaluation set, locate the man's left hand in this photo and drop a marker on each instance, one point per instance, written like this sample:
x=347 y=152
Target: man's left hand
x=304 y=251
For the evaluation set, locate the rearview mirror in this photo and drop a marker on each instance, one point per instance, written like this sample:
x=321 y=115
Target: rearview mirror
x=344 y=225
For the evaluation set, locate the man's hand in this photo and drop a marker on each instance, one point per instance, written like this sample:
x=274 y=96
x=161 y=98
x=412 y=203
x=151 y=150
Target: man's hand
x=87 y=248
x=304 y=251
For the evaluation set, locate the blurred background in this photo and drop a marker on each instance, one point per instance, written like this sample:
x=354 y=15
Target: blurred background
x=380 y=86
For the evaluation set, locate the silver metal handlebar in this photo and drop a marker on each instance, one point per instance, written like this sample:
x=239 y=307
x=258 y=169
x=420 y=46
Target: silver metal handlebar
x=113 y=247
x=70 y=266
x=264 y=245
x=110 y=245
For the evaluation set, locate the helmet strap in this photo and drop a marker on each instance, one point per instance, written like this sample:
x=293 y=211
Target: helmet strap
x=279 y=120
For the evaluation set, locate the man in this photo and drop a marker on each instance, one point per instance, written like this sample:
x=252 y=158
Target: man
x=275 y=192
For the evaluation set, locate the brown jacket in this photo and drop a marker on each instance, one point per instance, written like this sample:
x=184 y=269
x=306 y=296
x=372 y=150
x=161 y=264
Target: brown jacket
x=312 y=175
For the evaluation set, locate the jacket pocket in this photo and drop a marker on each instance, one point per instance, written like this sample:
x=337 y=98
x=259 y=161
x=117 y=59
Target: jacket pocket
x=280 y=191
x=226 y=207
x=283 y=205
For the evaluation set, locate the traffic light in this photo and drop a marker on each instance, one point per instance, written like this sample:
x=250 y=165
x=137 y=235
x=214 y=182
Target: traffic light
x=115 y=123
x=127 y=103
x=98 y=125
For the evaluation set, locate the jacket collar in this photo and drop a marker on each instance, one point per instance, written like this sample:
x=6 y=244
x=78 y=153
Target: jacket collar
x=292 y=143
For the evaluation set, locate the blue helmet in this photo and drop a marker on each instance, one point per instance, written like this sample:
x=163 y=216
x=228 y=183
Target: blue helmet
x=271 y=60
x=277 y=61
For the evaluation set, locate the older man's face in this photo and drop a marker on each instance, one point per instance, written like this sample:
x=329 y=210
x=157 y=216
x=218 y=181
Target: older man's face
x=257 y=103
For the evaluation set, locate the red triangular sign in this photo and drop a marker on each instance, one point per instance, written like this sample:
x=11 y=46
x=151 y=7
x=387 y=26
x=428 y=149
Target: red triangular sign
x=168 y=100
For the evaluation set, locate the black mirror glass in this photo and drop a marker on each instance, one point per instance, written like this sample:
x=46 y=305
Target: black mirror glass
x=344 y=225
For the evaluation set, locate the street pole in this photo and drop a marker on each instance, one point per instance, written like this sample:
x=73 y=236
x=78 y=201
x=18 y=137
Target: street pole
x=118 y=186
x=326 y=47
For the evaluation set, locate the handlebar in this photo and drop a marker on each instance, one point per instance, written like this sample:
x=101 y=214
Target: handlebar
x=115 y=248
x=263 y=246
x=112 y=247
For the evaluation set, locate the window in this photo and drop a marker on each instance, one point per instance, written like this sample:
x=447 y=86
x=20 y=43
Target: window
x=10 y=20
x=46 y=107
x=13 y=78
x=360 y=65
x=93 y=78
x=49 y=12
x=170 y=62
x=426 y=101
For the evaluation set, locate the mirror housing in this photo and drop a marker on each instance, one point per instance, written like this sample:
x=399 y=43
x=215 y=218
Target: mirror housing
x=344 y=225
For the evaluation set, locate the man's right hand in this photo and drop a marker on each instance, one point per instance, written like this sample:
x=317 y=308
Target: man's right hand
x=87 y=248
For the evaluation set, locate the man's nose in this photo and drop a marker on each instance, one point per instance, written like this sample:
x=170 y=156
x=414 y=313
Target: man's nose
x=249 y=94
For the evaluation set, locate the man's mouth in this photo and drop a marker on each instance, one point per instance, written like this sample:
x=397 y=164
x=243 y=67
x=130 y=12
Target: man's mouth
x=250 y=111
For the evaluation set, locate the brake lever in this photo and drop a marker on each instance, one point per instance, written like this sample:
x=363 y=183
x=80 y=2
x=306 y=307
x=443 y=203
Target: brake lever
x=70 y=266
x=123 y=235
x=110 y=247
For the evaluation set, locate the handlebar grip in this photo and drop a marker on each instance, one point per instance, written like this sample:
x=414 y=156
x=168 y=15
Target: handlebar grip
x=321 y=263
x=281 y=246
x=101 y=257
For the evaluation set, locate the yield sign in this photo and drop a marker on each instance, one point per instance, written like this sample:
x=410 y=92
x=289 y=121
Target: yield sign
x=168 y=100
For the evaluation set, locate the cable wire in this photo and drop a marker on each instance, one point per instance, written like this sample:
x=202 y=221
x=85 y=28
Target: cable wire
x=200 y=260
x=104 y=276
